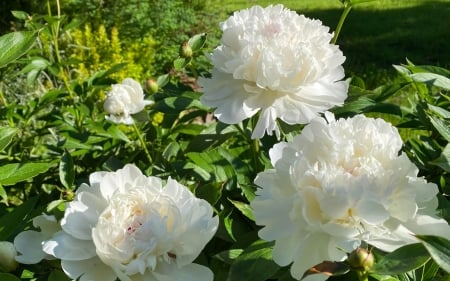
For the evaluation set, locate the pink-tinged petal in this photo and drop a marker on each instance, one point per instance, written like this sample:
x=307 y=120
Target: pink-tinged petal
x=88 y=270
x=66 y=247
x=82 y=214
x=190 y=272
x=28 y=244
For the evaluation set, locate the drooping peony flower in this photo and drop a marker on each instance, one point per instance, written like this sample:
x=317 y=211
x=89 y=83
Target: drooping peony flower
x=339 y=183
x=29 y=243
x=123 y=100
x=276 y=62
x=129 y=226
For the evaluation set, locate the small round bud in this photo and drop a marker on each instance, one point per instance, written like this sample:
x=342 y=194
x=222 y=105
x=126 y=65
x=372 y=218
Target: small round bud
x=185 y=50
x=7 y=256
x=361 y=259
x=151 y=86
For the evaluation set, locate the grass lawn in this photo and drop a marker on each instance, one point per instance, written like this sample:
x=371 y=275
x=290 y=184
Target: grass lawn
x=378 y=34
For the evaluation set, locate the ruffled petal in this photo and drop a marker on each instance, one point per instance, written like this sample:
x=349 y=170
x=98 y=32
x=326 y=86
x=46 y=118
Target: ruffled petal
x=92 y=269
x=66 y=247
x=28 y=244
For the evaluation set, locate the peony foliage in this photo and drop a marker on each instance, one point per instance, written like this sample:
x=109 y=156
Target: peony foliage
x=180 y=177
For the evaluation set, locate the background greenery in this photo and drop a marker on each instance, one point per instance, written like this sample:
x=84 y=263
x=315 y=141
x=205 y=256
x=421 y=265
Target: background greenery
x=53 y=132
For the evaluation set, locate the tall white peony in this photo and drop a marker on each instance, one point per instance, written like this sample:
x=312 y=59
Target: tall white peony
x=29 y=243
x=123 y=100
x=339 y=183
x=129 y=226
x=276 y=62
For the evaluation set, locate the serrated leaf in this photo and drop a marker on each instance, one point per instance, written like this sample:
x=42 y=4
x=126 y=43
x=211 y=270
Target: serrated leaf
x=10 y=221
x=66 y=170
x=439 y=249
x=6 y=136
x=402 y=260
x=14 y=45
x=17 y=172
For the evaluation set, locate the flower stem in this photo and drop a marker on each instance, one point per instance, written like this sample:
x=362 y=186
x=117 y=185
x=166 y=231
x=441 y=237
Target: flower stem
x=347 y=8
x=141 y=139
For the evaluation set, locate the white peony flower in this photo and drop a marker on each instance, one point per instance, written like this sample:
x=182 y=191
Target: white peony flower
x=129 y=226
x=277 y=62
x=337 y=184
x=29 y=243
x=123 y=100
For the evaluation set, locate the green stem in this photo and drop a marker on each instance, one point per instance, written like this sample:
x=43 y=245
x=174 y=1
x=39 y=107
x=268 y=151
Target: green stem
x=347 y=8
x=141 y=139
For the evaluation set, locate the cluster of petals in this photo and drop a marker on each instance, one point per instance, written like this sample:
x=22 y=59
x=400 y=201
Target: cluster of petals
x=123 y=100
x=125 y=225
x=338 y=183
x=277 y=63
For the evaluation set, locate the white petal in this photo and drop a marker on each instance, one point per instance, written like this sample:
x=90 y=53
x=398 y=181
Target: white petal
x=190 y=272
x=90 y=270
x=372 y=212
x=28 y=244
x=82 y=214
x=66 y=247
x=47 y=224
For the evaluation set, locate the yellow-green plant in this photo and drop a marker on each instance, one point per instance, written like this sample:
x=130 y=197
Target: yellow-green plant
x=99 y=50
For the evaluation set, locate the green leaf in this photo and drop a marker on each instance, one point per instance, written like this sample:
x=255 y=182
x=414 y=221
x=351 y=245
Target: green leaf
x=180 y=63
x=163 y=80
x=439 y=111
x=6 y=136
x=439 y=249
x=21 y=15
x=442 y=126
x=432 y=79
x=197 y=42
x=402 y=260
x=66 y=170
x=116 y=133
x=229 y=256
x=210 y=192
x=10 y=222
x=3 y=193
x=14 y=45
x=245 y=208
x=254 y=264
x=58 y=275
x=13 y=173
x=8 y=277
x=443 y=160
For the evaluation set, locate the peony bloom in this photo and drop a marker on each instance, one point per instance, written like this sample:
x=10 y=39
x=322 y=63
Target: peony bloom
x=29 y=243
x=129 y=226
x=276 y=62
x=339 y=183
x=123 y=100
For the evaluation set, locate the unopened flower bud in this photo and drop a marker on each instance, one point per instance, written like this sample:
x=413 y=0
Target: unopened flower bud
x=361 y=259
x=185 y=50
x=151 y=86
x=7 y=256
